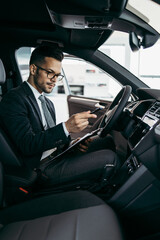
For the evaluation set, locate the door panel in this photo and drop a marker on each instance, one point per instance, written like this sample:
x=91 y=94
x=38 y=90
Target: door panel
x=78 y=104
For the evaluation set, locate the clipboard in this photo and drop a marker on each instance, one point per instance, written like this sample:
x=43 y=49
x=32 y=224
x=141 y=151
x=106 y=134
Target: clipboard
x=70 y=148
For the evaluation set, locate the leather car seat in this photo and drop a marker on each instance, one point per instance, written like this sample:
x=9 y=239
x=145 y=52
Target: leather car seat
x=16 y=175
x=71 y=215
x=2 y=75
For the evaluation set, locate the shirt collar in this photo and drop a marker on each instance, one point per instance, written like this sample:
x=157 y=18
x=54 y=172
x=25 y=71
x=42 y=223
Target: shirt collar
x=35 y=92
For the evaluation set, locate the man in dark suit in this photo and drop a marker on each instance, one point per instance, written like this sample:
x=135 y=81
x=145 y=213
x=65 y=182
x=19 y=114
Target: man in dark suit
x=29 y=120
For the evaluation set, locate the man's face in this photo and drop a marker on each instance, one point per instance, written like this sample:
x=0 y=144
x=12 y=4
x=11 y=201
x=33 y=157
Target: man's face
x=40 y=80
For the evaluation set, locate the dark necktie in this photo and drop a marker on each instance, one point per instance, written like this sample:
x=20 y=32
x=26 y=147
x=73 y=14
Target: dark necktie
x=48 y=117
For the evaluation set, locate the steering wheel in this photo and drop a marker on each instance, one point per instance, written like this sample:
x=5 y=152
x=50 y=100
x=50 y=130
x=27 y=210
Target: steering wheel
x=113 y=113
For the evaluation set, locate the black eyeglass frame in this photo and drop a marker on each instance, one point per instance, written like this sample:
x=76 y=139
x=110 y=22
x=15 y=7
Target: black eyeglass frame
x=59 y=76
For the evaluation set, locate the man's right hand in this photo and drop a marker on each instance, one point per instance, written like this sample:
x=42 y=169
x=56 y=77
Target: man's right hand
x=79 y=121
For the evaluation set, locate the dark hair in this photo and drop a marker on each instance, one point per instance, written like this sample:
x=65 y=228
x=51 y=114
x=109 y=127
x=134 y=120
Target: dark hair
x=41 y=52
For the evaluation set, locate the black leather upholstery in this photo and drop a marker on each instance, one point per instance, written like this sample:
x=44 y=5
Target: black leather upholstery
x=1 y=183
x=8 y=156
x=96 y=223
x=16 y=174
x=2 y=73
x=91 y=220
x=49 y=205
x=5 y=145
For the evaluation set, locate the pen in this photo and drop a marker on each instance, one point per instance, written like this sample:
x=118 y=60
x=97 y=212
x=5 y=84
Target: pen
x=95 y=110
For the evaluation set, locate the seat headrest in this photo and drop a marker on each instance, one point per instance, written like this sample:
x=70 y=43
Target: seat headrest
x=2 y=73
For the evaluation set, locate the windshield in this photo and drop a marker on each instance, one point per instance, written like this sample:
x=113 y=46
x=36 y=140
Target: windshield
x=145 y=64
x=147 y=10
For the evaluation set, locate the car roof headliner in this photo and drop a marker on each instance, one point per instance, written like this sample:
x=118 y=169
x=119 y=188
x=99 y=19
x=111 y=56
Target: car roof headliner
x=26 y=22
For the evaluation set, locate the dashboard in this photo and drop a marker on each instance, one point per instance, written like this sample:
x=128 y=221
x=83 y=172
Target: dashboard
x=137 y=183
x=142 y=132
x=145 y=116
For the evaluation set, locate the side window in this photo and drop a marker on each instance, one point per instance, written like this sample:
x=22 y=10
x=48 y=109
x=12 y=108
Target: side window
x=23 y=55
x=87 y=80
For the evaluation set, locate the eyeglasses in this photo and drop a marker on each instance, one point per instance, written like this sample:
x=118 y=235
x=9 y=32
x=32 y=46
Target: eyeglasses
x=52 y=75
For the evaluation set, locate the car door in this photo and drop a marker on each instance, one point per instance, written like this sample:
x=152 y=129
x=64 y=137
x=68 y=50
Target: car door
x=78 y=104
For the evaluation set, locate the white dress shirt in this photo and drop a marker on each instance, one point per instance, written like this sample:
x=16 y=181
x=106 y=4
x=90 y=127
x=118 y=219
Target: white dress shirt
x=37 y=94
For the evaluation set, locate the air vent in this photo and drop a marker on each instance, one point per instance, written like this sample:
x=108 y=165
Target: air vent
x=152 y=110
x=158 y=112
x=155 y=109
x=131 y=105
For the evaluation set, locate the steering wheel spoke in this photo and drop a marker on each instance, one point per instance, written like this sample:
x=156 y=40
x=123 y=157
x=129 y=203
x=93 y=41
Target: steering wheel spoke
x=113 y=113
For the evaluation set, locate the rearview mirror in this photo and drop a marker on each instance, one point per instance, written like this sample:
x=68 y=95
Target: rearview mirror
x=134 y=42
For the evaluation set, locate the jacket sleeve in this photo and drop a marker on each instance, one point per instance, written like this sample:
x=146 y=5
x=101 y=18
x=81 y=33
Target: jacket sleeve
x=17 y=122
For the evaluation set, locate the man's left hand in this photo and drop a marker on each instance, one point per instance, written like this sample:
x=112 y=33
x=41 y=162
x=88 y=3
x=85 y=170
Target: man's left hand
x=83 y=147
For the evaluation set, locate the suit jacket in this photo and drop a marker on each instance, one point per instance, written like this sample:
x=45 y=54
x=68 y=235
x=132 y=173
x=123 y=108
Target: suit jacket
x=21 y=119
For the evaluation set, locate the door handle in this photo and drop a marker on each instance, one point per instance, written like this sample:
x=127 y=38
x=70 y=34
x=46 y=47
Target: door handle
x=98 y=105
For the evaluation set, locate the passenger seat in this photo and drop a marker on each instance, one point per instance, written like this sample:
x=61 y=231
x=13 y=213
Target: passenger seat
x=51 y=217
x=64 y=216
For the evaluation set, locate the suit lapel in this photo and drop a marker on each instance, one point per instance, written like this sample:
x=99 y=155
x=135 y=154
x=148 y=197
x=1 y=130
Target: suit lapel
x=32 y=99
x=35 y=105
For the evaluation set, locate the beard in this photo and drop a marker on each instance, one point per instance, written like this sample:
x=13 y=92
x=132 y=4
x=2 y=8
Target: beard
x=42 y=85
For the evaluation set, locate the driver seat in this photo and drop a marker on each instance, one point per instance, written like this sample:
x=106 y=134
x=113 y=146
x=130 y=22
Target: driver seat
x=15 y=174
x=18 y=176
x=70 y=215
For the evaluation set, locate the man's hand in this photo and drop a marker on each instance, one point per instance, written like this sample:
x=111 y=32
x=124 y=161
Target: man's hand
x=83 y=146
x=79 y=121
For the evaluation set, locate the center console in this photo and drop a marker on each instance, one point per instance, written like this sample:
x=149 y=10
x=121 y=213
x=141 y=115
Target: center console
x=149 y=119
x=145 y=124
x=141 y=140
x=137 y=194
